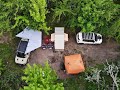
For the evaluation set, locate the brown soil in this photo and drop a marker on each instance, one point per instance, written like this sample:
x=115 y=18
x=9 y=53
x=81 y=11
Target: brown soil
x=5 y=38
x=92 y=54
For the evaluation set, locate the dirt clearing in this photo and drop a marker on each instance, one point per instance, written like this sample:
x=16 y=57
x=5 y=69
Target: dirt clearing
x=92 y=54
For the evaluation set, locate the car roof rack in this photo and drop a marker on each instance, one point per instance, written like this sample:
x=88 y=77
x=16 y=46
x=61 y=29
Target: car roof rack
x=88 y=36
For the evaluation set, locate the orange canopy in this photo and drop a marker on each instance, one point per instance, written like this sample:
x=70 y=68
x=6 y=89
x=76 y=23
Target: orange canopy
x=74 y=64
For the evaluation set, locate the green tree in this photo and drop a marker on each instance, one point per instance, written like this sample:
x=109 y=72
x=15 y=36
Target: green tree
x=41 y=78
x=22 y=13
x=7 y=8
x=89 y=15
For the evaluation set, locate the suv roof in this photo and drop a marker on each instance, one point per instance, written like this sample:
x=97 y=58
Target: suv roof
x=22 y=46
x=88 y=36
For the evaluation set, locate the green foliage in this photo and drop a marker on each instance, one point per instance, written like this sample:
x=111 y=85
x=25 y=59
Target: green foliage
x=5 y=51
x=116 y=1
x=33 y=16
x=75 y=83
x=104 y=79
x=10 y=73
x=89 y=15
x=91 y=86
x=10 y=79
x=1 y=66
x=62 y=10
x=22 y=13
x=6 y=14
x=114 y=31
x=41 y=78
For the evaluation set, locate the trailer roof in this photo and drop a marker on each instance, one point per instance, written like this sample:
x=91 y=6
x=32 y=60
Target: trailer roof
x=59 y=37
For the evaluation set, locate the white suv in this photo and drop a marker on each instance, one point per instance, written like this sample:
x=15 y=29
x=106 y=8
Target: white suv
x=21 y=57
x=89 y=38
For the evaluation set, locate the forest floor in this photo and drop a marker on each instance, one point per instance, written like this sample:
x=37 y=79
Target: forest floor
x=92 y=54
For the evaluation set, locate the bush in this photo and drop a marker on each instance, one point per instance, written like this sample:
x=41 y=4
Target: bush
x=22 y=13
x=10 y=79
x=42 y=78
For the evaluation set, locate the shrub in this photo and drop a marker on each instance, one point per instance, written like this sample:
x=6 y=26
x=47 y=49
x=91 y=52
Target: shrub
x=42 y=78
x=22 y=13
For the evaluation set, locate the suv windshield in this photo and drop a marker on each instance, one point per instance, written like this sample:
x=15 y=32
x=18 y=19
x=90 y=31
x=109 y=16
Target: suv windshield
x=19 y=54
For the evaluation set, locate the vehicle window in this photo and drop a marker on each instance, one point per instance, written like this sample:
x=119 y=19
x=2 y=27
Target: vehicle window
x=78 y=37
x=96 y=37
x=22 y=46
x=88 y=40
x=22 y=55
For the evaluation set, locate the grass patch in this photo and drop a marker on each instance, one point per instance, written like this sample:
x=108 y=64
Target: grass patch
x=10 y=78
x=7 y=55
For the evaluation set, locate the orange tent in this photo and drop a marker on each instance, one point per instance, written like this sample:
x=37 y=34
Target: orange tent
x=74 y=64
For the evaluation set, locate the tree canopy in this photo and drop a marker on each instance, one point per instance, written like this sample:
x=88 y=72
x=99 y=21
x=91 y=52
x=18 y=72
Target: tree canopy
x=22 y=13
x=86 y=15
x=41 y=78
